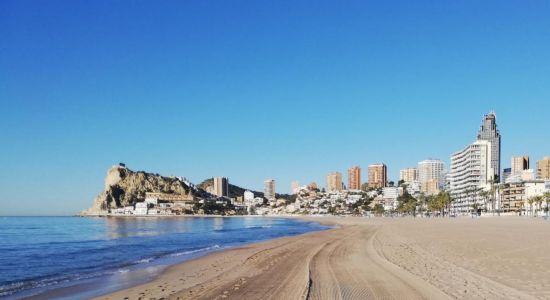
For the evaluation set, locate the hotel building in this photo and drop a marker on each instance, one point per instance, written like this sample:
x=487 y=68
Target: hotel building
x=334 y=182
x=354 y=178
x=471 y=173
x=378 y=176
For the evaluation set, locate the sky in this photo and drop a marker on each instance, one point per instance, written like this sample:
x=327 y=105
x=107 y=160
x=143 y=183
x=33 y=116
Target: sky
x=250 y=90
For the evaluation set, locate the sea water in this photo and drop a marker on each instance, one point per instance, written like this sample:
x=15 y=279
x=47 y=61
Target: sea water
x=74 y=258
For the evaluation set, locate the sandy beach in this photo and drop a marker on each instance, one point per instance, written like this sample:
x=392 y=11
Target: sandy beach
x=377 y=258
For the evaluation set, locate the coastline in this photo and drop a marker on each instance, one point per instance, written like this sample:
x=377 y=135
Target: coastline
x=369 y=258
x=141 y=268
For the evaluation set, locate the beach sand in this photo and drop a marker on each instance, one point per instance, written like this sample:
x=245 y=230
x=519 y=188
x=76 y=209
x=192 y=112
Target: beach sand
x=376 y=258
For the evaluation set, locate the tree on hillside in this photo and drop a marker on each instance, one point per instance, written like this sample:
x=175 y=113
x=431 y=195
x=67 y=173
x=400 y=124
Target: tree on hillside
x=378 y=209
x=406 y=203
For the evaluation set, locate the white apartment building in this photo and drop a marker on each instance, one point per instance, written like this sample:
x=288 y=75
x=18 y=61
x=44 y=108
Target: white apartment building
x=471 y=173
x=248 y=197
x=390 y=194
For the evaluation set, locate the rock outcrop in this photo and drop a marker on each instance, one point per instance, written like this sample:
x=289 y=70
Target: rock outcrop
x=124 y=187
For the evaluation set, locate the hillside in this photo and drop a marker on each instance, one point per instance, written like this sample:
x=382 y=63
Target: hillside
x=124 y=187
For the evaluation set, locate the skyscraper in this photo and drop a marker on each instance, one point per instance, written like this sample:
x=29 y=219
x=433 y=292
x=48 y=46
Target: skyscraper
x=221 y=186
x=334 y=182
x=269 y=189
x=354 y=178
x=378 y=176
x=519 y=163
x=489 y=132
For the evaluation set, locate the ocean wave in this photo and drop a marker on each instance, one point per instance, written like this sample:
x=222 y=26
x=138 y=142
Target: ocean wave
x=258 y=226
x=195 y=251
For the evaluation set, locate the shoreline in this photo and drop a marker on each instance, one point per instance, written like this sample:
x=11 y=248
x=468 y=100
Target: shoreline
x=141 y=273
x=369 y=258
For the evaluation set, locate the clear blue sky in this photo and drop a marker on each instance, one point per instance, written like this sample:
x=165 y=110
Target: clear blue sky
x=258 y=89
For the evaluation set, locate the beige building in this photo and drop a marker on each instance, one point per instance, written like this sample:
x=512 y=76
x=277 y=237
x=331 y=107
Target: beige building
x=429 y=170
x=269 y=189
x=378 y=176
x=543 y=168
x=430 y=187
x=408 y=175
x=519 y=163
x=334 y=182
x=221 y=187
x=512 y=197
x=354 y=178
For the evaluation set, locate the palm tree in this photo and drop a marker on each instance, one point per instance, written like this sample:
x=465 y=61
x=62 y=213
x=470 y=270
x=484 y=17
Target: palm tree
x=521 y=206
x=539 y=200
x=531 y=201
x=546 y=197
x=485 y=195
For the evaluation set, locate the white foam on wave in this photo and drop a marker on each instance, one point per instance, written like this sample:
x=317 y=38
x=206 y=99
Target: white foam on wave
x=196 y=251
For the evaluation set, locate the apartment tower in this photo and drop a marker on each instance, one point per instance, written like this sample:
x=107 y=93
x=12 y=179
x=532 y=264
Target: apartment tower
x=471 y=173
x=543 y=168
x=408 y=175
x=269 y=189
x=221 y=187
x=378 y=176
x=334 y=182
x=354 y=178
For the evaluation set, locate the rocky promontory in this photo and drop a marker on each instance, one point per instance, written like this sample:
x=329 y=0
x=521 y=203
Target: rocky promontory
x=124 y=187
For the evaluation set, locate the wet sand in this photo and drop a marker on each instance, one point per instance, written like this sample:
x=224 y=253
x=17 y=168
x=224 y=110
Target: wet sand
x=378 y=258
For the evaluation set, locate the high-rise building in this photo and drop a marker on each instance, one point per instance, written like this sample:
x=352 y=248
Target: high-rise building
x=543 y=168
x=378 y=176
x=295 y=187
x=408 y=175
x=354 y=178
x=431 y=170
x=221 y=187
x=471 y=173
x=520 y=163
x=269 y=189
x=489 y=132
x=334 y=182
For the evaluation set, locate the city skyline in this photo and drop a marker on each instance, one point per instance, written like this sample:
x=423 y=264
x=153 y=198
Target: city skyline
x=197 y=90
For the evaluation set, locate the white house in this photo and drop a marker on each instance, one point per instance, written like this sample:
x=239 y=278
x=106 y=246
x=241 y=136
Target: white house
x=141 y=209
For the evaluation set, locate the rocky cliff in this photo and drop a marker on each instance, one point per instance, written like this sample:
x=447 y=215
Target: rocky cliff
x=125 y=187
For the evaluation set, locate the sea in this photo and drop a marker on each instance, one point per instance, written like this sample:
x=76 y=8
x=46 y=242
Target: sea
x=78 y=258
